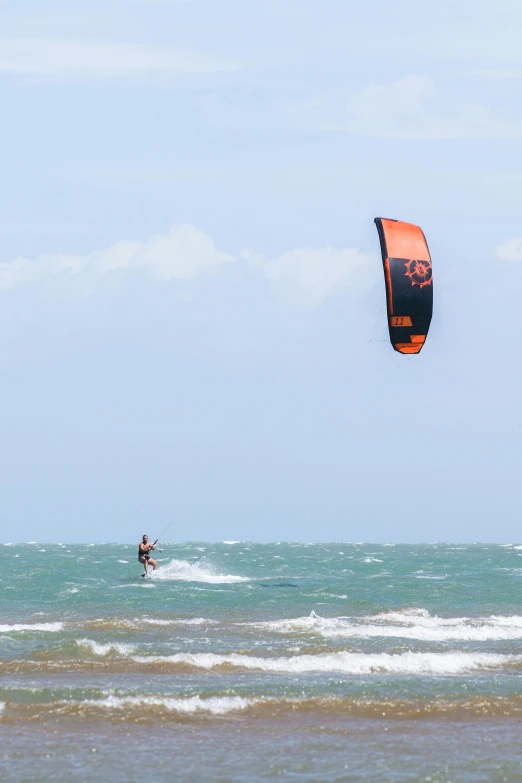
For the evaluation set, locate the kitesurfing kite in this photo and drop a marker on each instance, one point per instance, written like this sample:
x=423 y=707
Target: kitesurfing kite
x=409 y=283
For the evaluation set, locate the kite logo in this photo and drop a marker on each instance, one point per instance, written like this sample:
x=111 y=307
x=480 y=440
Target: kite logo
x=419 y=272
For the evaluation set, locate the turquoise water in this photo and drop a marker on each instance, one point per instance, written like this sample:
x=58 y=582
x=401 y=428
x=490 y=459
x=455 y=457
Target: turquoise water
x=247 y=662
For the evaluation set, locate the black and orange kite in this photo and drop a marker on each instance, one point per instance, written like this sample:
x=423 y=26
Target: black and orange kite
x=409 y=283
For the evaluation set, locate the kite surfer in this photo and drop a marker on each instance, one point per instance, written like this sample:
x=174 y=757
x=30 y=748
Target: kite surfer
x=143 y=555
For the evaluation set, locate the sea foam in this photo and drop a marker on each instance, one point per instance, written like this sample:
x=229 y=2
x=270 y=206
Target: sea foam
x=177 y=621
x=201 y=571
x=216 y=705
x=345 y=662
x=407 y=624
x=15 y=627
x=111 y=648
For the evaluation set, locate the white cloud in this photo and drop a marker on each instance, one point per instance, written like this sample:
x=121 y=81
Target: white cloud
x=410 y=108
x=184 y=253
x=304 y=277
x=307 y=276
x=66 y=58
x=510 y=249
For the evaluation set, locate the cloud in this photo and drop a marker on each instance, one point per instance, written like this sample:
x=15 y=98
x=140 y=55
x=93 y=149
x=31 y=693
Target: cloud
x=410 y=108
x=307 y=276
x=184 y=253
x=67 y=58
x=510 y=249
x=304 y=277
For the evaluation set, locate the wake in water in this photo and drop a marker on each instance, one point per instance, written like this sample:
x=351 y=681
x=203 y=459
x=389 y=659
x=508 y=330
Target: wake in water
x=201 y=571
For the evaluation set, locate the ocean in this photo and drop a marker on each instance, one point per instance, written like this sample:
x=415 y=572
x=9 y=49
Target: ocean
x=257 y=662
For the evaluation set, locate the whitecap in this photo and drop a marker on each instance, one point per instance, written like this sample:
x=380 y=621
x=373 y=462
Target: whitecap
x=15 y=627
x=216 y=705
x=177 y=621
x=135 y=586
x=346 y=662
x=106 y=649
x=406 y=624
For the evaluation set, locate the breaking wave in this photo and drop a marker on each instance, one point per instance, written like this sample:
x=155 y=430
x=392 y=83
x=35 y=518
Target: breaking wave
x=15 y=627
x=146 y=708
x=179 y=621
x=407 y=624
x=215 y=705
x=346 y=662
x=112 y=648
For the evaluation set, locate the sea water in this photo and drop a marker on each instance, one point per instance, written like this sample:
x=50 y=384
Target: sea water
x=252 y=662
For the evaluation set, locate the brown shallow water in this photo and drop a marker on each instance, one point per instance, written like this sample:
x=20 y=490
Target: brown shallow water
x=300 y=747
x=151 y=710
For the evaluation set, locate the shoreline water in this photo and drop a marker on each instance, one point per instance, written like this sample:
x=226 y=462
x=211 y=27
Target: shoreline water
x=376 y=656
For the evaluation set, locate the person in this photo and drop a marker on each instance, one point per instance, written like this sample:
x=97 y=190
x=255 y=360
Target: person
x=143 y=555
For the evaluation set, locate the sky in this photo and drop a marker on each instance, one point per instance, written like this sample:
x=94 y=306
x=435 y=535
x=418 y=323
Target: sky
x=191 y=292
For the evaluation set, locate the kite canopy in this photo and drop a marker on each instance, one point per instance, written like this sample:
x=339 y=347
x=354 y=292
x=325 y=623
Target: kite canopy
x=409 y=283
